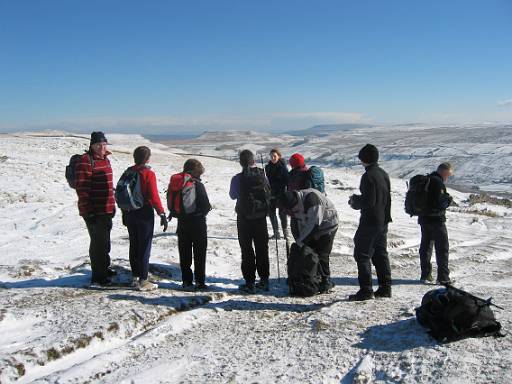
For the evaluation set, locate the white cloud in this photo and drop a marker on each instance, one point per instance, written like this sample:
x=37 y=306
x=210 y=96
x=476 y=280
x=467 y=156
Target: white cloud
x=193 y=124
x=324 y=117
x=505 y=103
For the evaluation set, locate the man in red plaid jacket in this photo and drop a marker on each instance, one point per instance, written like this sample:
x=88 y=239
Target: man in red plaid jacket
x=96 y=204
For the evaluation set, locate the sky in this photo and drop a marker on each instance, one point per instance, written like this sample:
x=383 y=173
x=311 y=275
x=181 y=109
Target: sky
x=189 y=66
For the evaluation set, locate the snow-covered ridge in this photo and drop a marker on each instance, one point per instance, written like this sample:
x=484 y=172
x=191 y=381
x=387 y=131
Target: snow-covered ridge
x=55 y=329
x=481 y=154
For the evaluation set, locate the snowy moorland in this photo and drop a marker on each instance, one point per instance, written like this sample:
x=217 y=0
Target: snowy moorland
x=481 y=154
x=56 y=329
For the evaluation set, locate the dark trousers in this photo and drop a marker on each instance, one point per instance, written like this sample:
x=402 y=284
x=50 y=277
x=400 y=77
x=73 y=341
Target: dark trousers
x=282 y=217
x=192 y=237
x=371 y=247
x=434 y=234
x=141 y=224
x=99 y=246
x=253 y=259
x=323 y=247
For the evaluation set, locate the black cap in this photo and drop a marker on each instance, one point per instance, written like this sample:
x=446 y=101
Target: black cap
x=369 y=154
x=98 y=137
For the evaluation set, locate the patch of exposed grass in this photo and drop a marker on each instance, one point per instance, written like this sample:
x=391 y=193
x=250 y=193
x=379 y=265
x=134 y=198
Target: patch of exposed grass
x=52 y=354
x=485 y=198
x=113 y=327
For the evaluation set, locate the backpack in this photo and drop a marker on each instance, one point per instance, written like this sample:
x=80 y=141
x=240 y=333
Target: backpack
x=181 y=195
x=254 y=198
x=416 y=198
x=452 y=314
x=128 y=192
x=70 y=169
x=316 y=178
x=303 y=277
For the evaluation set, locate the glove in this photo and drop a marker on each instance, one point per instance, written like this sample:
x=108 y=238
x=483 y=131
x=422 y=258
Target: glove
x=163 y=221
x=90 y=218
x=169 y=218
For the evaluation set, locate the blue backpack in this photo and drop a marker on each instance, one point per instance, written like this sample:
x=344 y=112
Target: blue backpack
x=128 y=193
x=316 y=178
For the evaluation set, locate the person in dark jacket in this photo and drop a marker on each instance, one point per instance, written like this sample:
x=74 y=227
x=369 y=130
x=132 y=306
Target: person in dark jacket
x=251 y=191
x=370 y=240
x=192 y=232
x=315 y=225
x=298 y=176
x=96 y=204
x=433 y=227
x=141 y=222
x=277 y=175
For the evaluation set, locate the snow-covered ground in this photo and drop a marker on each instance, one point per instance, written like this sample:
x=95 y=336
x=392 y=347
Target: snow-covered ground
x=55 y=329
x=481 y=154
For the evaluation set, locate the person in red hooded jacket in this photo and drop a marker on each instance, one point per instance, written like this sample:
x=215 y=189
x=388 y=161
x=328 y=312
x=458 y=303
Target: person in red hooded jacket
x=298 y=176
x=96 y=204
x=141 y=222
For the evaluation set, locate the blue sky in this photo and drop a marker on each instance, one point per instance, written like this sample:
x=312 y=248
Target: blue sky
x=174 y=66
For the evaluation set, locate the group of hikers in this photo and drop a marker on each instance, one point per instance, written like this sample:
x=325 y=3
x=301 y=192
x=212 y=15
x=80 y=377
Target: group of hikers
x=273 y=191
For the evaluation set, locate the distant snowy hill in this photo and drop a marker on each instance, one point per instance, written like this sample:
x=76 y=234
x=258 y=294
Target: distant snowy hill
x=481 y=154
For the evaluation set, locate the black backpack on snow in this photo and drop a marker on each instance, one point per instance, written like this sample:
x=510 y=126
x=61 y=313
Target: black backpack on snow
x=416 y=198
x=70 y=169
x=303 y=277
x=128 y=192
x=452 y=314
x=254 y=198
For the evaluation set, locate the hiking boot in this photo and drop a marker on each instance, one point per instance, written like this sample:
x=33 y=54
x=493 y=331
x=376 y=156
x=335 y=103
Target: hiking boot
x=263 y=285
x=445 y=282
x=188 y=287
x=146 y=285
x=326 y=286
x=246 y=288
x=111 y=271
x=383 y=292
x=361 y=296
x=106 y=282
x=135 y=282
x=427 y=280
x=202 y=287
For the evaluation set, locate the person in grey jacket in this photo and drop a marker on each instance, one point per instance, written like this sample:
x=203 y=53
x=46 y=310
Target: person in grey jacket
x=314 y=222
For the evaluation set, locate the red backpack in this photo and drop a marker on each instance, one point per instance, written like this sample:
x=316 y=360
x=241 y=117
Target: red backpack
x=181 y=195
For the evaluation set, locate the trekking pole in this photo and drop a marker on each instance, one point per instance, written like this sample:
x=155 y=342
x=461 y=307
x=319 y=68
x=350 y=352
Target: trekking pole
x=277 y=255
x=488 y=301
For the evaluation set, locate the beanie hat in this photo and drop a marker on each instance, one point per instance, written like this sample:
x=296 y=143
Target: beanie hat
x=98 y=137
x=296 y=160
x=289 y=199
x=369 y=154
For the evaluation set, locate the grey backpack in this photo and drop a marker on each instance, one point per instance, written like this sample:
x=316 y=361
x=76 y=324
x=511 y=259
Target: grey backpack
x=128 y=193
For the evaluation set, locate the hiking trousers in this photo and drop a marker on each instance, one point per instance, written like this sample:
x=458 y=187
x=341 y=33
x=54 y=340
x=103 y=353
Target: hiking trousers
x=192 y=238
x=140 y=224
x=370 y=247
x=434 y=234
x=323 y=247
x=99 y=247
x=253 y=232
x=282 y=217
